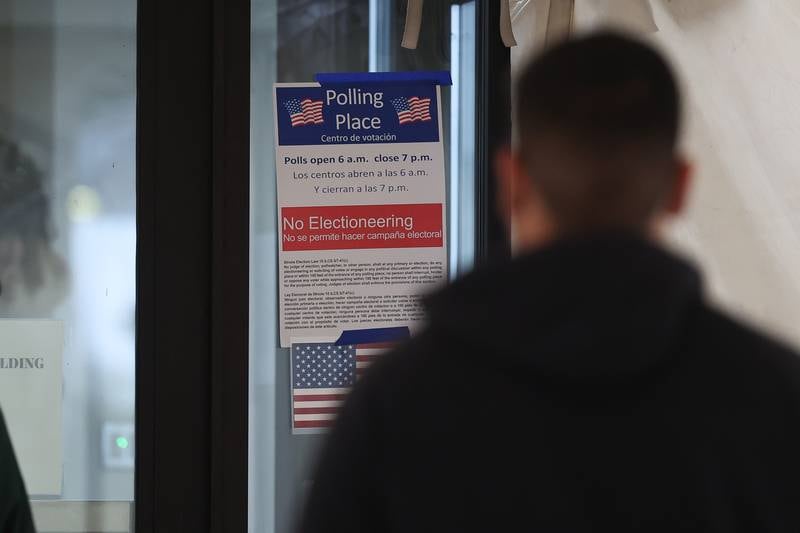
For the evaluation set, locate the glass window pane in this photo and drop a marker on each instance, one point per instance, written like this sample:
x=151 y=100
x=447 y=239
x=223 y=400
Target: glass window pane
x=67 y=247
x=291 y=42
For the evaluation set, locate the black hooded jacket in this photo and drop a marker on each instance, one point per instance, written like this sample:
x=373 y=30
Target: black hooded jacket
x=15 y=511
x=585 y=387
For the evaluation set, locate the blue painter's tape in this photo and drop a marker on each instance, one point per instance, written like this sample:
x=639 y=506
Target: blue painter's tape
x=434 y=77
x=371 y=336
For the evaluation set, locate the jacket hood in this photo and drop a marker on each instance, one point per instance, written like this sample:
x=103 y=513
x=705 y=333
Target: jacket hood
x=597 y=308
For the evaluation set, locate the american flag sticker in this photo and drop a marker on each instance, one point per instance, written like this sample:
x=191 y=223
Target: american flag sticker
x=322 y=376
x=366 y=354
x=304 y=112
x=412 y=109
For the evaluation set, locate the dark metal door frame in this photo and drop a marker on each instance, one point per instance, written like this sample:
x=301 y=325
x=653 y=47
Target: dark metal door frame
x=493 y=128
x=193 y=124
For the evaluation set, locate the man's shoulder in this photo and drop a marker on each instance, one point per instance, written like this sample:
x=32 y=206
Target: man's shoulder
x=421 y=366
x=409 y=357
x=741 y=346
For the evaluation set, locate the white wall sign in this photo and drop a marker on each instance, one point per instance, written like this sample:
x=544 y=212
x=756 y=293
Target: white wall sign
x=30 y=397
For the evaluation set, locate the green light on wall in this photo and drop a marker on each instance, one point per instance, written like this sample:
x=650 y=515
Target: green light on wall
x=122 y=442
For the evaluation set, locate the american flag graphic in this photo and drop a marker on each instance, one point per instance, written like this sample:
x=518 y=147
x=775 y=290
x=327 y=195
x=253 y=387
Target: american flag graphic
x=304 y=112
x=322 y=376
x=412 y=109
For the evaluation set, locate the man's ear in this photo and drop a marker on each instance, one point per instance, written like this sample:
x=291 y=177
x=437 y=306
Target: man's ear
x=679 y=191
x=508 y=172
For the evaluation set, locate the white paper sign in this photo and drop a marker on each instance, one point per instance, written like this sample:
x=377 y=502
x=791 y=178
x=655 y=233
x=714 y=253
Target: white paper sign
x=30 y=397
x=361 y=204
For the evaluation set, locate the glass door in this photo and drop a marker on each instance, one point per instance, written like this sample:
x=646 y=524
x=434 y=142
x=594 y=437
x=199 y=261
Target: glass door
x=292 y=42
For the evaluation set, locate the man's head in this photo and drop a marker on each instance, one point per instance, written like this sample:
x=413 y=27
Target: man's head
x=597 y=120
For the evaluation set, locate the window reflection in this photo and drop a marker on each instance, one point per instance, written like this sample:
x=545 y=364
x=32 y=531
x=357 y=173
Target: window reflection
x=67 y=217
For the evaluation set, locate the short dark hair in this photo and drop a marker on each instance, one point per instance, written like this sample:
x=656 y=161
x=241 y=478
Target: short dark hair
x=603 y=112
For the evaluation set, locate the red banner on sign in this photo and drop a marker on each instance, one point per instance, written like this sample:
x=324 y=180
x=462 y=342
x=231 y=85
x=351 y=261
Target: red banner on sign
x=350 y=227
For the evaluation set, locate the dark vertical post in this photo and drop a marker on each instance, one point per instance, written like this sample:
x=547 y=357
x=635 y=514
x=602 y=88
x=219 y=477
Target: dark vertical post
x=230 y=274
x=192 y=266
x=493 y=127
x=144 y=506
x=173 y=315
